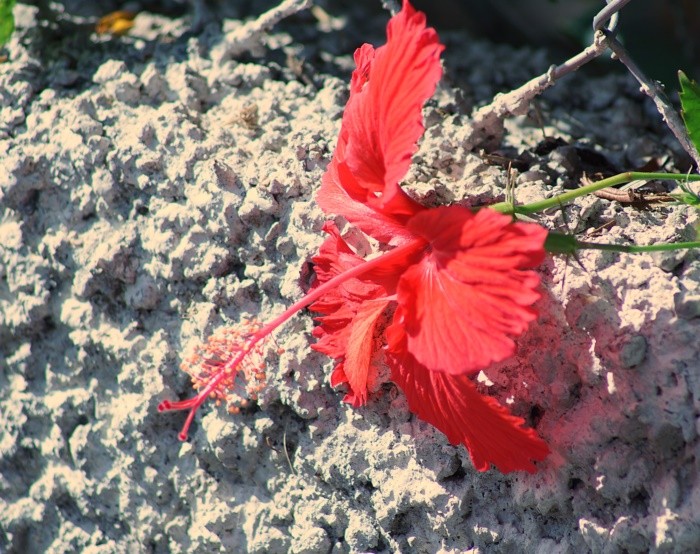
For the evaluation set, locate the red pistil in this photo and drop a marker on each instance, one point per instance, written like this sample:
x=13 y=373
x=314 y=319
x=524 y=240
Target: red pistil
x=217 y=367
x=224 y=361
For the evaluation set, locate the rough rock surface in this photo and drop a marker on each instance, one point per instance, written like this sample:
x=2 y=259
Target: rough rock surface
x=155 y=187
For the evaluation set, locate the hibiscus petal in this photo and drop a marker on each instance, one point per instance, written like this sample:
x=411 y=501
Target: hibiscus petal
x=461 y=304
x=351 y=339
x=340 y=194
x=340 y=304
x=333 y=332
x=363 y=57
x=352 y=311
x=338 y=377
x=452 y=404
x=384 y=119
x=362 y=343
x=381 y=125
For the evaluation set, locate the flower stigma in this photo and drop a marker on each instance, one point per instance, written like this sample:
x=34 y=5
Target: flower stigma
x=231 y=361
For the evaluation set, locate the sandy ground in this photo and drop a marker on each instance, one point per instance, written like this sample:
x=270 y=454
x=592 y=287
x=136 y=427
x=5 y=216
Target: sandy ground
x=156 y=187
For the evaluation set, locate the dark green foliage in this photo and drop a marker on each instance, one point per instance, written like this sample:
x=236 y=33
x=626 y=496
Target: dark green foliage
x=690 y=101
x=7 y=21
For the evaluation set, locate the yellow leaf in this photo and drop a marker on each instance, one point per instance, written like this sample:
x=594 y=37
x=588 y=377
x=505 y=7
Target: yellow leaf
x=116 y=23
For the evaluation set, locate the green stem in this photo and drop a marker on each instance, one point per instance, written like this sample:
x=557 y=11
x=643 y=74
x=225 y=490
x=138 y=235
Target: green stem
x=632 y=249
x=560 y=243
x=561 y=199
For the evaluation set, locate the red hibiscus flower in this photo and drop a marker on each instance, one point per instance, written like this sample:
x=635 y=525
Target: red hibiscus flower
x=443 y=297
x=454 y=288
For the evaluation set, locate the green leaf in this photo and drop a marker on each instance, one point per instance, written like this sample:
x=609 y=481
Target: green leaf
x=687 y=196
x=7 y=21
x=690 y=102
x=559 y=243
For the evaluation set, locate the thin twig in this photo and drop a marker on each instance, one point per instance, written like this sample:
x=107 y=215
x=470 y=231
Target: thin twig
x=609 y=14
x=488 y=121
x=286 y=452
x=630 y=196
x=392 y=6
x=239 y=40
x=655 y=92
x=649 y=87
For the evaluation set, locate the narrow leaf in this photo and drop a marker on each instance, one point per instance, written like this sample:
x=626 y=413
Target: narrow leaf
x=7 y=21
x=690 y=102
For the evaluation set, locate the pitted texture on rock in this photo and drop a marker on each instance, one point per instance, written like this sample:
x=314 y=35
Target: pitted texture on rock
x=155 y=192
